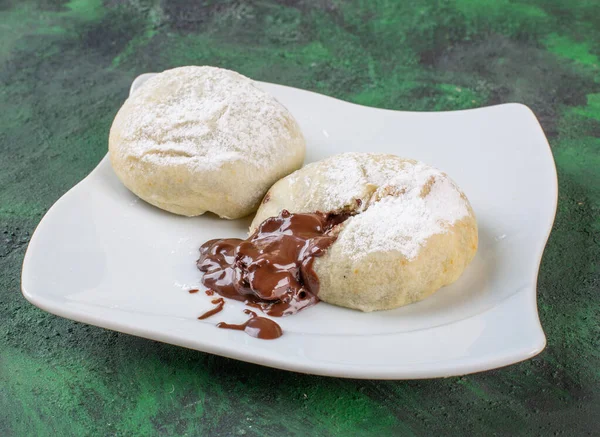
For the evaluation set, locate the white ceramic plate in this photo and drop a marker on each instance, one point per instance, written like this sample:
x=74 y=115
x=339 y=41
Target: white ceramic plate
x=103 y=257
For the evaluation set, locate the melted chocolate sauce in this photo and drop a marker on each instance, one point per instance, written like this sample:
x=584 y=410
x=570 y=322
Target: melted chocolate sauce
x=273 y=269
x=193 y=290
x=209 y=292
x=220 y=302
x=258 y=327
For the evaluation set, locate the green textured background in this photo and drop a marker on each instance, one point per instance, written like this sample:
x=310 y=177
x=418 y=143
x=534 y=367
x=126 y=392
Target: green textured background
x=65 y=70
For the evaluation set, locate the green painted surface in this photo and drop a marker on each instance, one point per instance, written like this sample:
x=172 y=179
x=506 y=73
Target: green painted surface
x=65 y=69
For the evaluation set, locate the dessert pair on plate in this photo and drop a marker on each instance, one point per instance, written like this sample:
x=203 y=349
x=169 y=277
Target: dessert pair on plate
x=360 y=230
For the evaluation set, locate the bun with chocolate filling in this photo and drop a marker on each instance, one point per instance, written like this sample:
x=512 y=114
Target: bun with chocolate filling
x=410 y=232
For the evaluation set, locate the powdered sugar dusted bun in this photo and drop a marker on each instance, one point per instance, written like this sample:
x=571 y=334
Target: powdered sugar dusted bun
x=413 y=230
x=197 y=139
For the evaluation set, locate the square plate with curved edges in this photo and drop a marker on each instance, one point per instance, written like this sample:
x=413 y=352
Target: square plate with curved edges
x=101 y=256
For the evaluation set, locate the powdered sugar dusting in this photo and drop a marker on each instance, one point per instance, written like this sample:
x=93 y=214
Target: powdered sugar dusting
x=203 y=117
x=412 y=202
x=399 y=203
x=344 y=181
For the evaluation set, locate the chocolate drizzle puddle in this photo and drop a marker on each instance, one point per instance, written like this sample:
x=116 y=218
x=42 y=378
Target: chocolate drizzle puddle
x=272 y=270
x=255 y=326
